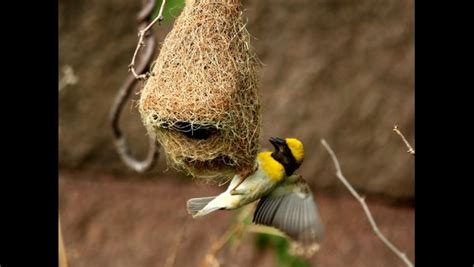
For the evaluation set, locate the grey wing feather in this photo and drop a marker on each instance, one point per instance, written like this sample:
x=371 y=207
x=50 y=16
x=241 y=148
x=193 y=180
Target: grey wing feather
x=194 y=205
x=266 y=210
x=294 y=213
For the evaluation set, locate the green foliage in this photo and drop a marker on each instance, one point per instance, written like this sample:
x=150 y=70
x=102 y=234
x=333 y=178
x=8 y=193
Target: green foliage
x=171 y=10
x=280 y=246
x=262 y=241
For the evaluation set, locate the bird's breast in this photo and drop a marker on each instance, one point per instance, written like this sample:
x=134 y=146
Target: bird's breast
x=271 y=168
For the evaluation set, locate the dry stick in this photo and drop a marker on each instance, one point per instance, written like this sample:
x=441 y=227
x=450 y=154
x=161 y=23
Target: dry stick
x=216 y=246
x=211 y=256
x=62 y=251
x=410 y=148
x=171 y=259
x=68 y=78
x=124 y=93
x=262 y=229
x=375 y=228
x=238 y=226
x=141 y=35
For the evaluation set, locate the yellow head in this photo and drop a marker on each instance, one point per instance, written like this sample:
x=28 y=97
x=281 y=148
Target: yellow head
x=296 y=148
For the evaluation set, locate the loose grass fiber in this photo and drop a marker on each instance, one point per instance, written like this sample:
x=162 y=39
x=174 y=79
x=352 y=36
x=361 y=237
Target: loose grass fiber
x=205 y=79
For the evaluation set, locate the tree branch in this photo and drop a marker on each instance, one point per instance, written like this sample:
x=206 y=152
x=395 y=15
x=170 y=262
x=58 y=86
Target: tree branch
x=410 y=149
x=238 y=227
x=124 y=93
x=141 y=36
x=361 y=200
x=62 y=251
x=171 y=259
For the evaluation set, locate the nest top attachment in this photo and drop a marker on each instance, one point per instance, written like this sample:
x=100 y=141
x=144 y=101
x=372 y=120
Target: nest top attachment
x=202 y=102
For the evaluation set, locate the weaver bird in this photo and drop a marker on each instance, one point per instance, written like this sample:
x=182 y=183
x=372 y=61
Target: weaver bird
x=286 y=201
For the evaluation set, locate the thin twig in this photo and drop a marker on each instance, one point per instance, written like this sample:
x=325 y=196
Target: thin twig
x=361 y=200
x=410 y=148
x=237 y=227
x=62 y=251
x=262 y=229
x=124 y=93
x=68 y=78
x=171 y=259
x=210 y=258
x=141 y=43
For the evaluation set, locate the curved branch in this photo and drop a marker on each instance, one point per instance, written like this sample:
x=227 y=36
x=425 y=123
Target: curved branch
x=123 y=95
x=146 y=11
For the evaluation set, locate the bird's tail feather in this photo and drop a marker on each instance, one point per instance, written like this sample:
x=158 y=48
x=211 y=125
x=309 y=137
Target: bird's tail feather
x=194 y=205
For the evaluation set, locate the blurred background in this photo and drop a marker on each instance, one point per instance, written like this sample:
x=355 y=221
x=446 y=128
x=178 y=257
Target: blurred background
x=335 y=69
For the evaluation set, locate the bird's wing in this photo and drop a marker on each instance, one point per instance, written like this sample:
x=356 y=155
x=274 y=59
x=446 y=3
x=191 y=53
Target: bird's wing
x=292 y=209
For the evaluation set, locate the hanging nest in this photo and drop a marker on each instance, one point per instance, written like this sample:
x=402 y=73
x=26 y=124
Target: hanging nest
x=201 y=102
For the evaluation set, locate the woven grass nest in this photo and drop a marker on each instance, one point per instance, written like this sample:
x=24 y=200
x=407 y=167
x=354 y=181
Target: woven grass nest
x=202 y=102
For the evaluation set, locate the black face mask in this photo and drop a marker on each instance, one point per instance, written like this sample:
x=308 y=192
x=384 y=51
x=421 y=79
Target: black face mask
x=283 y=155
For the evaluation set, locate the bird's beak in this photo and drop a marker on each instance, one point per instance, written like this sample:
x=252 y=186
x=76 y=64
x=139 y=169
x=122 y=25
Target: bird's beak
x=277 y=142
